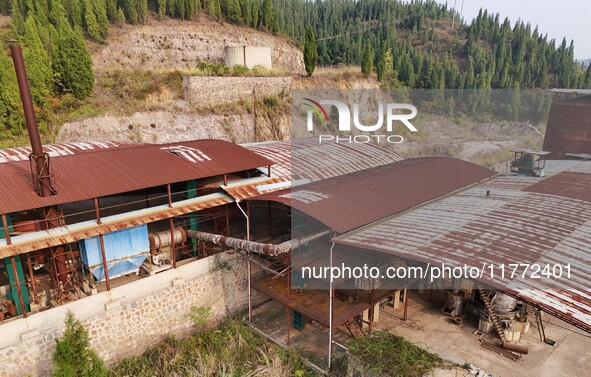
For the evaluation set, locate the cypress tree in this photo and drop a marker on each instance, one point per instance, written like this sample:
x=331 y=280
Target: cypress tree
x=120 y=20
x=141 y=10
x=18 y=21
x=255 y=14
x=310 y=51
x=268 y=15
x=111 y=7
x=161 y=8
x=234 y=12
x=367 y=64
x=100 y=9
x=38 y=64
x=72 y=64
x=92 y=25
x=9 y=96
x=131 y=11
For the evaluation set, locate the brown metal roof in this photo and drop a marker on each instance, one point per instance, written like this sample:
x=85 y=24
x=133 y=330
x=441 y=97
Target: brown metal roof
x=308 y=159
x=569 y=127
x=118 y=170
x=347 y=202
x=567 y=184
x=523 y=220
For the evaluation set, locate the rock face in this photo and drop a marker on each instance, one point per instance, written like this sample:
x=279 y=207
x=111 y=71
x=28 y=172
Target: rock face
x=170 y=44
x=166 y=127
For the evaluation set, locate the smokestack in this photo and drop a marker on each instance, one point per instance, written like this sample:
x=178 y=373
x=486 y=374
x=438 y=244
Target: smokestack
x=39 y=159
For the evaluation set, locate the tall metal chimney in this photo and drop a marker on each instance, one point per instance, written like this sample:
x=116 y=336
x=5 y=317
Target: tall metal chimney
x=40 y=168
x=41 y=171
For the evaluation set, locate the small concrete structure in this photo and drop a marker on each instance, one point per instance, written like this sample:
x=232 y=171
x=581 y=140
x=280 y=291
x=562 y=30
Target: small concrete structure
x=248 y=56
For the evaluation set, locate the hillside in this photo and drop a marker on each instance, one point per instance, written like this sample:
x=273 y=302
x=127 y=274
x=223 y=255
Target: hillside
x=170 y=44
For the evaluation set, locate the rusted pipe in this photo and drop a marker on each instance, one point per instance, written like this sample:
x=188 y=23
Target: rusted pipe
x=97 y=211
x=6 y=231
x=516 y=348
x=256 y=247
x=172 y=250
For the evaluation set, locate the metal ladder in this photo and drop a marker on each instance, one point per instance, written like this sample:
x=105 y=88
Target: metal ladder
x=491 y=314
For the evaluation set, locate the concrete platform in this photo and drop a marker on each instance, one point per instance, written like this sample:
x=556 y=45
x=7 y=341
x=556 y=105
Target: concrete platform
x=427 y=327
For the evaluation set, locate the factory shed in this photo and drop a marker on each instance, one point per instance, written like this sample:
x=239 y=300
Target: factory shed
x=353 y=200
x=104 y=172
x=508 y=219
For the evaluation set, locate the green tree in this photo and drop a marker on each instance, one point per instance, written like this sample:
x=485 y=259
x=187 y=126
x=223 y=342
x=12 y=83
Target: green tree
x=161 y=8
x=18 y=21
x=310 y=51
x=111 y=6
x=73 y=356
x=91 y=22
x=234 y=12
x=367 y=63
x=141 y=10
x=38 y=64
x=268 y=15
x=131 y=11
x=120 y=20
x=72 y=64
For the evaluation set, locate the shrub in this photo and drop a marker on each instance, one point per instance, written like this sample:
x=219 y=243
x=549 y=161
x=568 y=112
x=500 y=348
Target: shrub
x=73 y=356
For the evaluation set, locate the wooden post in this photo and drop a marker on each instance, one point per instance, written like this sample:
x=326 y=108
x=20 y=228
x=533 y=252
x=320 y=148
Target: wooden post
x=406 y=299
x=32 y=275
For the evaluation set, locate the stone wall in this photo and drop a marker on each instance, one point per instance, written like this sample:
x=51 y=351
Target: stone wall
x=212 y=91
x=132 y=318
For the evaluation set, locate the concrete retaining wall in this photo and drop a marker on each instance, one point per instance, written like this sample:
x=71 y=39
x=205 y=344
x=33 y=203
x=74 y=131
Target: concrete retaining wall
x=212 y=91
x=135 y=317
x=248 y=56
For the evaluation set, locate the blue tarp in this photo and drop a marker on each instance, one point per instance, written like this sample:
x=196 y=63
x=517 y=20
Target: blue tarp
x=125 y=249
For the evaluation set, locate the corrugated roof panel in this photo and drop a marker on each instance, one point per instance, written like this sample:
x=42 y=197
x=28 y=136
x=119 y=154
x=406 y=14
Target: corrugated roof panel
x=308 y=159
x=349 y=201
x=119 y=170
x=523 y=220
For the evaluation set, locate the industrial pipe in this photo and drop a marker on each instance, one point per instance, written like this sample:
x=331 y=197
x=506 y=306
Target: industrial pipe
x=162 y=239
x=515 y=347
x=256 y=247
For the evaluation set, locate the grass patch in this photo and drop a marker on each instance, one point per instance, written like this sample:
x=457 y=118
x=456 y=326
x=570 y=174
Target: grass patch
x=232 y=349
x=385 y=354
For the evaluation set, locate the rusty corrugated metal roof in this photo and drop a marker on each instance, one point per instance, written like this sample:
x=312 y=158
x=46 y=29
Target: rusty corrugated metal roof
x=569 y=127
x=523 y=220
x=248 y=188
x=75 y=232
x=118 y=170
x=308 y=159
x=349 y=201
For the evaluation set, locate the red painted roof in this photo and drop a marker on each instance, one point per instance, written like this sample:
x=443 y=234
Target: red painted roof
x=121 y=169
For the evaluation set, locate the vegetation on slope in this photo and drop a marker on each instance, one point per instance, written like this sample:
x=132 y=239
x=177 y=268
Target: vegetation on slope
x=384 y=354
x=232 y=349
